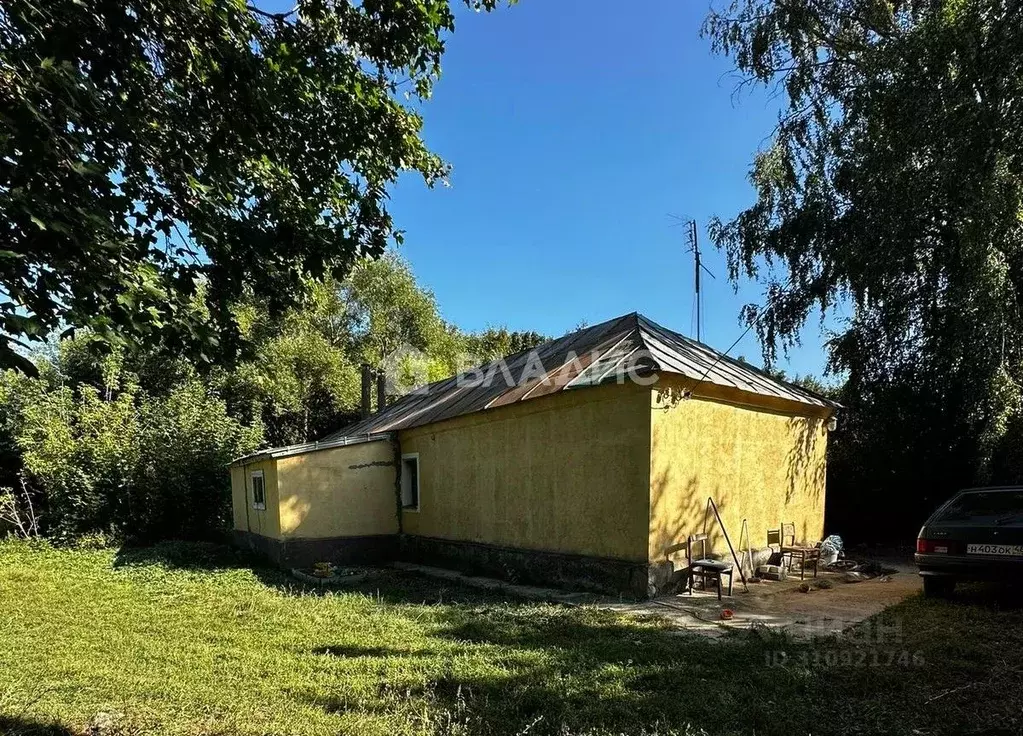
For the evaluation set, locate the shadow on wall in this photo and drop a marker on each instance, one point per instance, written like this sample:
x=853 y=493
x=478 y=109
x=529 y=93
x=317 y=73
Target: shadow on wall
x=802 y=459
x=687 y=512
x=295 y=509
x=338 y=492
x=806 y=469
x=679 y=496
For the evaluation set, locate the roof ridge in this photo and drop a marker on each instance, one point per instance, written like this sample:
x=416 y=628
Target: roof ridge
x=644 y=345
x=603 y=347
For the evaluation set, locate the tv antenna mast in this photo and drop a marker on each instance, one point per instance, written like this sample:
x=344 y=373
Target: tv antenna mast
x=692 y=238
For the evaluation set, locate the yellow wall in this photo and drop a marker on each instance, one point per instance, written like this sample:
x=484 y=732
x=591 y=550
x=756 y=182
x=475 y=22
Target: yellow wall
x=764 y=465
x=615 y=471
x=566 y=473
x=266 y=521
x=343 y=491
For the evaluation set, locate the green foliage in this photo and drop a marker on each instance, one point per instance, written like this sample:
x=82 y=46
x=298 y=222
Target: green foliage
x=305 y=377
x=135 y=443
x=160 y=158
x=809 y=382
x=389 y=310
x=498 y=342
x=301 y=379
x=180 y=486
x=16 y=392
x=82 y=451
x=893 y=186
x=130 y=464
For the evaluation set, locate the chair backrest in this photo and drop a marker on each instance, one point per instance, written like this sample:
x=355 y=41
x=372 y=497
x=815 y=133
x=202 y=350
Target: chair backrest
x=680 y=547
x=774 y=537
x=788 y=534
x=696 y=539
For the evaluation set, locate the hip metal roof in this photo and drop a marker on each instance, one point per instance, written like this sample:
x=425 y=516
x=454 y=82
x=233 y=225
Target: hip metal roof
x=614 y=351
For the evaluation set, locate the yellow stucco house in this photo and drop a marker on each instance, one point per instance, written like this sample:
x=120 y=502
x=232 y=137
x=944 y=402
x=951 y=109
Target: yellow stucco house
x=579 y=464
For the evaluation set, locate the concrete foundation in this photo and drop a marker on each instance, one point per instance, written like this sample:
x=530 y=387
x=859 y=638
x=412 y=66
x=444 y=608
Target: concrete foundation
x=636 y=580
x=369 y=550
x=533 y=567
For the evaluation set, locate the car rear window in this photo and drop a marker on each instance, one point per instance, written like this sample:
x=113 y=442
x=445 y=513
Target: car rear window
x=993 y=503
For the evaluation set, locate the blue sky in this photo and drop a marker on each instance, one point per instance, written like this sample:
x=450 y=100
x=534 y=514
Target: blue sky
x=574 y=128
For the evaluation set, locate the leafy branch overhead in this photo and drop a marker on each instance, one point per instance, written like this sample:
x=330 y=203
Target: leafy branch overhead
x=891 y=198
x=160 y=158
x=894 y=176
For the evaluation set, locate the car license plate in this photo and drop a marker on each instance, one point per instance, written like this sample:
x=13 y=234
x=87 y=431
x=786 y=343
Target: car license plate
x=1005 y=550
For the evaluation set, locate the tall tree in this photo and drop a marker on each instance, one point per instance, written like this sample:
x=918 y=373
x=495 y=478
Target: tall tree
x=304 y=379
x=893 y=184
x=499 y=342
x=389 y=310
x=149 y=148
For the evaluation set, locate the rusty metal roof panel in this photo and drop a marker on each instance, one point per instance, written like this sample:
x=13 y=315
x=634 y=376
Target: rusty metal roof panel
x=587 y=357
x=696 y=360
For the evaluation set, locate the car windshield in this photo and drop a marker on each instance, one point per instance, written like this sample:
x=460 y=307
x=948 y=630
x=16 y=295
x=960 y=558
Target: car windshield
x=985 y=503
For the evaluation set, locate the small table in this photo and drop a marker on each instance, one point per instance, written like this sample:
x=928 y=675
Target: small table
x=805 y=554
x=785 y=538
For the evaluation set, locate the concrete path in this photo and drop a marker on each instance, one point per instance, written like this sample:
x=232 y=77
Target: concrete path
x=784 y=606
x=775 y=605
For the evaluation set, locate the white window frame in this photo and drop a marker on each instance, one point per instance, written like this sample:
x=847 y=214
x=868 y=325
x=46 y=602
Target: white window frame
x=262 y=481
x=405 y=480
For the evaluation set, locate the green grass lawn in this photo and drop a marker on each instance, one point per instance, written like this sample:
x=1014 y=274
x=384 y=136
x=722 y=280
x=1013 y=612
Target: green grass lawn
x=186 y=639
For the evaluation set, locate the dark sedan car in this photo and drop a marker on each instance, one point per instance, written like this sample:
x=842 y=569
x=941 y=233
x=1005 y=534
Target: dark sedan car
x=976 y=535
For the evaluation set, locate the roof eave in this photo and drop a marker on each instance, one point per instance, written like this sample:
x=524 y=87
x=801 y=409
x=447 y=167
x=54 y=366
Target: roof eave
x=274 y=453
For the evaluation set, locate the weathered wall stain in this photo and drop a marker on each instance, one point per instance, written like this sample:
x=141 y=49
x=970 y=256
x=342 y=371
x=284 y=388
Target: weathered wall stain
x=377 y=464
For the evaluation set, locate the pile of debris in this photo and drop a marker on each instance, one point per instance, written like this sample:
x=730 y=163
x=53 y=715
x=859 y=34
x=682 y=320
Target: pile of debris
x=832 y=559
x=327 y=574
x=855 y=571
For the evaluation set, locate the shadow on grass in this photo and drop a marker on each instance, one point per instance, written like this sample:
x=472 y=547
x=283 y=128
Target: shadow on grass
x=208 y=557
x=589 y=671
x=507 y=669
x=186 y=555
x=496 y=670
x=24 y=726
x=485 y=665
x=354 y=651
x=1005 y=596
x=384 y=584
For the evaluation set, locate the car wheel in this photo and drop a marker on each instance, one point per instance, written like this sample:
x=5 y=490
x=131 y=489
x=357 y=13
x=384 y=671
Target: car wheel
x=938 y=587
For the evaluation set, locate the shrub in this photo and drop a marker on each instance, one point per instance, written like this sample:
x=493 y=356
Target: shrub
x=81 y=451
x=129 y=464
x=182 y=483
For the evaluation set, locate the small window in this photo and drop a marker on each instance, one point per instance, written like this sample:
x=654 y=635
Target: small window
x=410 y=482
x=258 y=490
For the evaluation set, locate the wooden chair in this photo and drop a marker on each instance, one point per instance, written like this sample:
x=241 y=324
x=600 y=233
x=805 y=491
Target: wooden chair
x=700 y=565
x=785 y=539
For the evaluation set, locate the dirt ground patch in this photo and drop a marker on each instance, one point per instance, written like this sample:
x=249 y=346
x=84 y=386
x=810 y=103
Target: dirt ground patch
x=835 y=602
